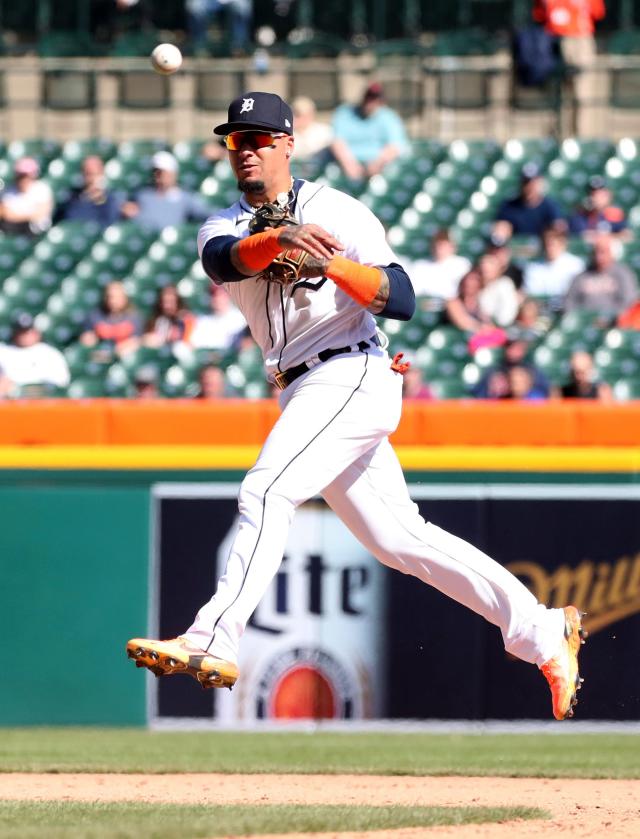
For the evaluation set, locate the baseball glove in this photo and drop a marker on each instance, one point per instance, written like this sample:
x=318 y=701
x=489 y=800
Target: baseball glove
x=287 y=267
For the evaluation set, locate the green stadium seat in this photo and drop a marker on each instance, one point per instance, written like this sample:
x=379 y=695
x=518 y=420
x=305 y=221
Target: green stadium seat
x=464 y=42
x=42 y=150
x=623 y=341
x=449 y=342
x=160 y=358
x=60 y=43
x=83 y=388
x=13 y=250
x=74 y=151
x=626 y=389
x=135 y=43
x=448 y=388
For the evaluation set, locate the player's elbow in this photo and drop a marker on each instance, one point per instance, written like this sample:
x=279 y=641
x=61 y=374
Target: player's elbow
x=401 y=304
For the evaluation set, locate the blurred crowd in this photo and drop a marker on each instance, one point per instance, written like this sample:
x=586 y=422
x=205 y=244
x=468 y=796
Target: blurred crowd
x=508 y=304
x=499 y=302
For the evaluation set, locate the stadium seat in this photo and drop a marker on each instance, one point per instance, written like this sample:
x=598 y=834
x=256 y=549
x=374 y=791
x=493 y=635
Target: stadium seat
x=42 y=150
x=75 y=150
x=626 y=389
x=83 y=388
x=448 y=388
x=463 y=42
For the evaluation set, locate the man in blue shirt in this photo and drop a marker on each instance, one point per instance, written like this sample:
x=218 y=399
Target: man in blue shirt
x=531 y=211
x=165 y=204
x=93 y=201
x=367 y=136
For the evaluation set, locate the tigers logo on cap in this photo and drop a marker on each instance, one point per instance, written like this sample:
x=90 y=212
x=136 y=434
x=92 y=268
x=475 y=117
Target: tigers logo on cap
x=260 y=111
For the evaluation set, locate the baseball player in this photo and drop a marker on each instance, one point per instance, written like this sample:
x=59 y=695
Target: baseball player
x=309 y=267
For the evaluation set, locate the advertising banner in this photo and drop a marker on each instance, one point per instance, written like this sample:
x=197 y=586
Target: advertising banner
x=339 y=636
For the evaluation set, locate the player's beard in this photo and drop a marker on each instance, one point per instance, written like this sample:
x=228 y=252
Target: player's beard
x=253 y=187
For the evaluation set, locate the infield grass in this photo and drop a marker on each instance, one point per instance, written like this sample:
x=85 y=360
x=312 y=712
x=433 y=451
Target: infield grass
x=135 y=750
x=74 y=820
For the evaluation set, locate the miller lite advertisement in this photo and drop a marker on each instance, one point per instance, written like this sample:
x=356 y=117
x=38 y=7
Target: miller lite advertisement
x=338 y=636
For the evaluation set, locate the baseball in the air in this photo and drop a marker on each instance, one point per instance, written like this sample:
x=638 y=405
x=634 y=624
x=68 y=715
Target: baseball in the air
x=166 y=59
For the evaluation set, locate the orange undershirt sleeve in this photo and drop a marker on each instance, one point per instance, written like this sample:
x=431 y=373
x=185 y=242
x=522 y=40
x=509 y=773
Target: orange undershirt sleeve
x=361 y=282
x=257 y=251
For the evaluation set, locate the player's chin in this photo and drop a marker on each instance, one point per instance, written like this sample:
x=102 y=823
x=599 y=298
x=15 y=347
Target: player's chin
x=253 y=185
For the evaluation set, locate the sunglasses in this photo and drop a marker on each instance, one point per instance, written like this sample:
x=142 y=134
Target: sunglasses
x=256 y=139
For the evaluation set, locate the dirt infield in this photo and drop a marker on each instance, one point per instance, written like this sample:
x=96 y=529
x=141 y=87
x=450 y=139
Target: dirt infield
x=585 y=808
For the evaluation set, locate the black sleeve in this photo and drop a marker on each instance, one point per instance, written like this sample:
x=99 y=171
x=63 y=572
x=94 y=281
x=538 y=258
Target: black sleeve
x=216 y=260
x=402 y=299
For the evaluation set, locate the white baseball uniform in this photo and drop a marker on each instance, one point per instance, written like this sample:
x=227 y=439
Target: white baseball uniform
x=332 y=439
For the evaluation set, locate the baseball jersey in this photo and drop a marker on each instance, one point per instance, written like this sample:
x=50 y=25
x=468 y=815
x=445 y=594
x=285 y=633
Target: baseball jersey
x=291 y=324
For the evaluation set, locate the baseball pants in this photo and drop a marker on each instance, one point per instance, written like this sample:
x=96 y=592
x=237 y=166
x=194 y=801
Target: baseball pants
x=331 y=439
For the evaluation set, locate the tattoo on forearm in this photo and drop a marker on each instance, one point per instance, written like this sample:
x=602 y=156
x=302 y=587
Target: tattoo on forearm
x=382 y=295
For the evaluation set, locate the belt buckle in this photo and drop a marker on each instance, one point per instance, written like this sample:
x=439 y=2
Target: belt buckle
x=280 y=381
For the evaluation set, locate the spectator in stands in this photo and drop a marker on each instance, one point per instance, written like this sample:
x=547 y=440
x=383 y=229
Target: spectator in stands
x=552 y=275
x=145 y=382
x=499 y=301
x=521 y=384
x=170 y=322
x=464 y=310
x=597 y=212
x=367 y=136
x=498 y=246
x=28 y=360
x=312 y=137
x=116 y=325
x=583 y=382
x=573 y=21
x=92 y=201
x=531 y=211
x=494 y=384
x=413 y=385
x=26 y=207
x=237 y=16
x=165 y=203
x=606 y=287
x=212 y=383
x=220 y=329
x=440 y=276
x=530 y=323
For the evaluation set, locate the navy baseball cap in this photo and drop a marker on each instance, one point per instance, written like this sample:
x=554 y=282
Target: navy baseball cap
x=530 y=171
x=597 y=182
x=257 y=111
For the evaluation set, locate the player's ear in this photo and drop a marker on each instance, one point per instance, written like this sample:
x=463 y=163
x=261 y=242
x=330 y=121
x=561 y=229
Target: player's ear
x=289 y=150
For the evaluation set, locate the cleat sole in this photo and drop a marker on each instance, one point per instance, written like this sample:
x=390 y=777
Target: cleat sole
x=163 y=664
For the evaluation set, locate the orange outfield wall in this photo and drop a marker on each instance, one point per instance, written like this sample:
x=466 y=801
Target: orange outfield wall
x=237 y=422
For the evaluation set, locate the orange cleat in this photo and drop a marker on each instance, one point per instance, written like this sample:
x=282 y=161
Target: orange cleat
x=561 y=671
x=164 y=658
